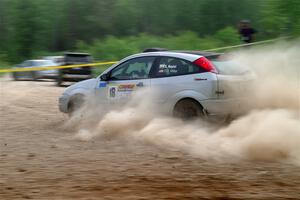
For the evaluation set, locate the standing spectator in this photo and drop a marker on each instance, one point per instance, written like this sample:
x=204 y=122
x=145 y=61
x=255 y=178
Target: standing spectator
x=246 y=31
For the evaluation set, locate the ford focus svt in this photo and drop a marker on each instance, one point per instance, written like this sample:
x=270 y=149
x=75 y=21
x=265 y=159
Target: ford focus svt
x=187 y=84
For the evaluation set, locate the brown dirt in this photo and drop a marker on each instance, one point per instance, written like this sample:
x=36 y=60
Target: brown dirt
x=40 y=159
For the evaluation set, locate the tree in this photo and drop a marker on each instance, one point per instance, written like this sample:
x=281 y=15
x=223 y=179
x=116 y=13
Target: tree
x=25 y=28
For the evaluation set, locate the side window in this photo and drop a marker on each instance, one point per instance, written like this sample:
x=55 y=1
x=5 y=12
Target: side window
x=138 y=68
x=27 y=63
x=37 y=63
x=168 y=66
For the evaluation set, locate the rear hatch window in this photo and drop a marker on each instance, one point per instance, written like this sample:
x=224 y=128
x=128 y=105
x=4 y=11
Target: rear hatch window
x=234 y=79
x=227 y=66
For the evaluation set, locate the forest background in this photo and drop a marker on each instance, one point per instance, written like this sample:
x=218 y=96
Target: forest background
x=112 y=29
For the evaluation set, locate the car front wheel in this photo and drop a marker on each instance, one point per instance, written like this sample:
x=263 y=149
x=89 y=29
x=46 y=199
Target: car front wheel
x=75 y=104
x=15 y=76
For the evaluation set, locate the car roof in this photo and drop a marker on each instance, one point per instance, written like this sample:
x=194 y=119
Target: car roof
x=187 y=55
x=76 y=53
x=53 y=57
x=38 y=60
x=200 y=53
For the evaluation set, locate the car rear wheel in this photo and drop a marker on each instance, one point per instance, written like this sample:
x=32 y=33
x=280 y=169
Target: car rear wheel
x=75 y=104
x=34 y=76
x=59 y=78
x=188 y=109
x=15 y=76
x=59 y=82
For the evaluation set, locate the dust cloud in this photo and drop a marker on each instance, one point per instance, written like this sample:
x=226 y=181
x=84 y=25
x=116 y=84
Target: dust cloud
x=268 y=130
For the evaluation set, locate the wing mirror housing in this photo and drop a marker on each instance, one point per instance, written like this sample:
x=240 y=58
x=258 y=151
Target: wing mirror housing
x=104 y=77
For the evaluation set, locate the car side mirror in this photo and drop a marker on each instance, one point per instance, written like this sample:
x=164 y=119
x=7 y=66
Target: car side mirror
x=104 y=77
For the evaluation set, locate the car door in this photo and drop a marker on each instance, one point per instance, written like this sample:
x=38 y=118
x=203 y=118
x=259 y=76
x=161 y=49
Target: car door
x=26 y=74
x=126 y=78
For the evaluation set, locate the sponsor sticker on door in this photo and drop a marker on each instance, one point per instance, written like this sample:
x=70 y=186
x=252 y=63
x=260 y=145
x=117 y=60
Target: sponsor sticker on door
x=120 y=92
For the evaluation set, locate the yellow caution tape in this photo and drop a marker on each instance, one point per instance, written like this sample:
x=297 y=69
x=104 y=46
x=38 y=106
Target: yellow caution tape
x=113 y=62
x=248 y=44
x=55 y=67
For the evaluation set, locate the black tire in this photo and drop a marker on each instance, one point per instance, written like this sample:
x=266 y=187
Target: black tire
x=58 y=82
x=15 y=76
x=75 y=104
x=34 y=76
x=188 y=109
x=59 y=79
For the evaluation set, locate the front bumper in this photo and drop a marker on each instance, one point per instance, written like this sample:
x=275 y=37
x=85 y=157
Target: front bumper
x=63 y=102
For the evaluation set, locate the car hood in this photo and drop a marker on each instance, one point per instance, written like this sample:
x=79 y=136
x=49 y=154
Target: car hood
x=86 y=85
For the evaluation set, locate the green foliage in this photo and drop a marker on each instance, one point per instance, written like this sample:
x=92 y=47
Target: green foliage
x=281 y=17
x=3 y=63
x=228 y=35
x=29 y=28
x=113 y=48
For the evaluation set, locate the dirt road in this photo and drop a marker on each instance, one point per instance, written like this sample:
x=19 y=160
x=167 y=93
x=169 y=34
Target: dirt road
x=40 y=159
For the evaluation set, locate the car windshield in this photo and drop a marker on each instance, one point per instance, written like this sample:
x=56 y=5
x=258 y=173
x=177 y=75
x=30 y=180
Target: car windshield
x=228 y=66
x=44 y=63
x=48 y=63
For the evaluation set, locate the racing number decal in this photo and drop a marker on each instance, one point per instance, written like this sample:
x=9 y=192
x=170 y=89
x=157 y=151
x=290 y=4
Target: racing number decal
x=120 y=91
x=112 y=91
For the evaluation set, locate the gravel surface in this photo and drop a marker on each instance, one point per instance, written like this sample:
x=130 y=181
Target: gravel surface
x=41 y=159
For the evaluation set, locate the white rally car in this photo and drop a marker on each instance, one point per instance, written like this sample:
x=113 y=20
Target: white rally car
x=188 y=83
